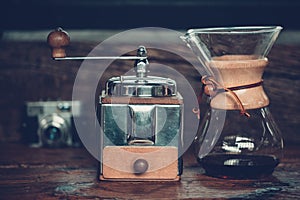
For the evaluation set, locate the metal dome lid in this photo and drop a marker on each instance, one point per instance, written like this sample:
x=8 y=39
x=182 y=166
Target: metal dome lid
x=141 y=85
x=151 y=86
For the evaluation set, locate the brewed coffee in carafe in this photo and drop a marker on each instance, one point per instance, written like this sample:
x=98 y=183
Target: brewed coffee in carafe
x=238 y=137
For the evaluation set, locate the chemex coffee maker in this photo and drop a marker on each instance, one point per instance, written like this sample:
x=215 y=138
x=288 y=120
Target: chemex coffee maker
x=238 y=137
x=141 y=118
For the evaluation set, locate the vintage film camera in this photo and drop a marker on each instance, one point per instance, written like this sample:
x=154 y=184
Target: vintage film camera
x=50 y=123
x=142 y=120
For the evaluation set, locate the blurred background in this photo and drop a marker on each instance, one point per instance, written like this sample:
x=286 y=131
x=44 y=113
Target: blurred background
x=27 y=73
x=125 y=14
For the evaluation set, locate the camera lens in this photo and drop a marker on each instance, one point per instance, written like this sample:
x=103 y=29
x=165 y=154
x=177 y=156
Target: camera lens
x=52 y=133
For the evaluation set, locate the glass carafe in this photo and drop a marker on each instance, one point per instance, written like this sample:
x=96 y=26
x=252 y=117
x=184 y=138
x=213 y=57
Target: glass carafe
x=238 y=137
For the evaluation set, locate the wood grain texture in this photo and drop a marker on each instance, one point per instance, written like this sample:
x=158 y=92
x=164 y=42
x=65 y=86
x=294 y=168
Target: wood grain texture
x=29 y=74
x=71 y=173
x=139 y=100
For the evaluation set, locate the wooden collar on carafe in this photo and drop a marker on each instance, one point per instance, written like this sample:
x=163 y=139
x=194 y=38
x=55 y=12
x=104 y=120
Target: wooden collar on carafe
x=212 y=87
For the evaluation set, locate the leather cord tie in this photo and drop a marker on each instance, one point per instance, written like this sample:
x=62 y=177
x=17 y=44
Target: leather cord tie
x=212 y=87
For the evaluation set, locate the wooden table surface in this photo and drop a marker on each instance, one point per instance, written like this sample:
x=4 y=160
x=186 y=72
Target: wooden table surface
x=71 y=173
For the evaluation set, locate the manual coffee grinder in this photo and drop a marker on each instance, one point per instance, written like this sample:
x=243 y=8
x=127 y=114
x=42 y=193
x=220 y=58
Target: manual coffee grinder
x=238 y=137
x=141 y=119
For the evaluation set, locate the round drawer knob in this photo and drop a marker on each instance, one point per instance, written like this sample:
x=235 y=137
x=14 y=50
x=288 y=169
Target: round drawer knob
x=140 y=166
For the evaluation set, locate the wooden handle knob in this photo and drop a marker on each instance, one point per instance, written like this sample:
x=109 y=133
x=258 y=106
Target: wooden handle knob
x=58 y=40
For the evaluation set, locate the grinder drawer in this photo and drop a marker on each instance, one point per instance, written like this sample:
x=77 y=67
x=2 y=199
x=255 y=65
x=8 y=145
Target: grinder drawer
x=140 y=163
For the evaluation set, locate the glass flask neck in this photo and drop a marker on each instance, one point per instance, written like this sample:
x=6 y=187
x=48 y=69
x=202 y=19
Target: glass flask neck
x=241 y=75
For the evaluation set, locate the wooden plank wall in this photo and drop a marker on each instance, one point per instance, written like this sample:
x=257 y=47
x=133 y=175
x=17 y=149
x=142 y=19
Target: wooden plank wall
x=27 y=73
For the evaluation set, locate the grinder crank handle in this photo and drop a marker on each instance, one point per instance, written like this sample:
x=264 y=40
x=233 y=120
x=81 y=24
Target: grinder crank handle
x=59 y=39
